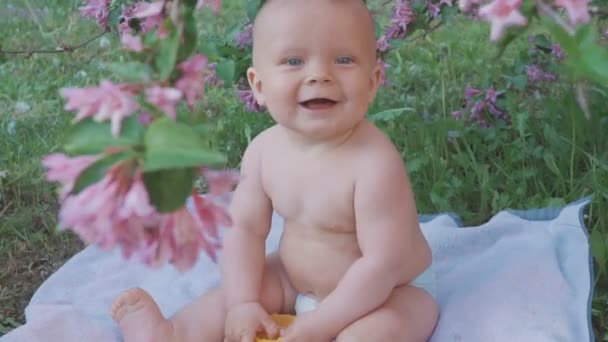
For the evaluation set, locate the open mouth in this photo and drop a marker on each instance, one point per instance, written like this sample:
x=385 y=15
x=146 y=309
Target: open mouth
x=318 y=103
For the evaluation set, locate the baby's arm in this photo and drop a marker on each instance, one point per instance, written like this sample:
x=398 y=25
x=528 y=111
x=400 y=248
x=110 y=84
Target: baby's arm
x=394 y=251
x=244 y=243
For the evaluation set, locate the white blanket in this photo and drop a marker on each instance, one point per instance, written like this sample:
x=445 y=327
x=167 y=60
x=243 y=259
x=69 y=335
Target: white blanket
x=522 y=276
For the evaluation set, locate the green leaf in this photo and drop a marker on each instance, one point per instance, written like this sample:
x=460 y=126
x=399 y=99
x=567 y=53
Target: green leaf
x=593 y=55
x=506 y=40
x=519 y=82
x=541 y=41
x=253 y=7
x=209 y=48
x=171 y=145
x=551 y=164
x=114 y=16
x=528 y=9
x=416 y=163
x=92 y=137
x=98 y=170
x=150 y=108
x=190 y=36
x=191 y=4
x=167 y=56
x=389 y=115
x=130 y=71
x=169 y=189
x=584 y=34
x=521 y=122
x=225 y=72
x=149 y=38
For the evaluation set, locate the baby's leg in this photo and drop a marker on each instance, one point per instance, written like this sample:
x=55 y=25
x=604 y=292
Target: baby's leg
x=140 y=319
x=409 y=315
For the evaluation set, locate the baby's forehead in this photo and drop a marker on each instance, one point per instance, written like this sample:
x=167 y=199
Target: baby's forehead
x=345 y=18
x=298 y=9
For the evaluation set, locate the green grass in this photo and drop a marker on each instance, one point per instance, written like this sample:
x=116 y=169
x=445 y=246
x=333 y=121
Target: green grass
x=550 y=156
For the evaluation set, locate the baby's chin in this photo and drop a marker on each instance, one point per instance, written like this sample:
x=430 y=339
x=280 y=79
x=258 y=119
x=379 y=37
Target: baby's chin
x=320 y=130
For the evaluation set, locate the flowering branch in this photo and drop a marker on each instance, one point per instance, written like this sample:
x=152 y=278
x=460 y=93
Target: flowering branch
x=62 y=47
x=132 y=160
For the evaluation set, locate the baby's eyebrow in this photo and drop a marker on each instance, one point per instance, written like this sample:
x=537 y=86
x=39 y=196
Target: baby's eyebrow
x=291 y=51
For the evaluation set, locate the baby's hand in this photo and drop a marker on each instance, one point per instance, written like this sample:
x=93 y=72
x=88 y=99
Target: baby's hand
x=245 y=320
x=306 y=328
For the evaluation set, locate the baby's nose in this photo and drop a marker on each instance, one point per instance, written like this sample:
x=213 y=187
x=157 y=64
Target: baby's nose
x=319 y=75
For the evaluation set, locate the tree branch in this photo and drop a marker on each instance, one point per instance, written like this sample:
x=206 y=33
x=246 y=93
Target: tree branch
x=62 y=47
x=427 y=32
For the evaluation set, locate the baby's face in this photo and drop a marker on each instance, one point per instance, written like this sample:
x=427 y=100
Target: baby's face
x=315 y=64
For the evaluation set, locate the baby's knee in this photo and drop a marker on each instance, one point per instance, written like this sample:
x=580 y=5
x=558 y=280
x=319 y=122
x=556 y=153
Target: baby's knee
x=388 y=328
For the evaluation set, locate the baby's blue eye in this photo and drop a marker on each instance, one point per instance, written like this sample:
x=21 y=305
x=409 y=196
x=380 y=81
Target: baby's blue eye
x=344 y=60
x=294 y=61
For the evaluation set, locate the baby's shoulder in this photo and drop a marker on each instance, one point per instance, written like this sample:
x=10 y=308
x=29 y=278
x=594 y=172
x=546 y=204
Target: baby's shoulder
x=264 y=141
x=375 y=149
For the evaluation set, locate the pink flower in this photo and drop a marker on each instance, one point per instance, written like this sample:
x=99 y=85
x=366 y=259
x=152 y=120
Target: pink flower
x=90 y=213
x=248 y=99
x=210 y=216
x=192 y=80
x=245 y=38
x=491 y=95
x=166 y=99
x=536 y=74
x=130 y=42
x=557 y=52
x=152 y=12
x=382 y=44
x=145 y=118
x=98 y=10
x=502 y=14
x=470 y=92
x=211 y=76
x=182 y=234
x=215 y=4
x=220 y=182
x=106 y=102
x=434 y=10
x=383 y=67
x=117 y=212
x=136 y=201
x=577 y=10
x=65 y=170
x=402 y=16
x=148 y=9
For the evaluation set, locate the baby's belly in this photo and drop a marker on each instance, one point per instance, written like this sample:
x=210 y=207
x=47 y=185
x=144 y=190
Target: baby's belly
x=316 y=260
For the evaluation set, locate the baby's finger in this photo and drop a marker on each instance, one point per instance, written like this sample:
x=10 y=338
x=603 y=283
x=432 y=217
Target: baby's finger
x=270 y=326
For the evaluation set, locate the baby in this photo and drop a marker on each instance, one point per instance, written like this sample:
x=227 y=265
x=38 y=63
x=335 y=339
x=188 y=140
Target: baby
x=352 y=262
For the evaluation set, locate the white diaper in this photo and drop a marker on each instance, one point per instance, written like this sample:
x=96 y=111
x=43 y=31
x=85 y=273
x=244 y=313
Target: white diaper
x=305 y=303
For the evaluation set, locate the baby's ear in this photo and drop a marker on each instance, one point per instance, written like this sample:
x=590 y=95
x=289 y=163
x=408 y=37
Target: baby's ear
x=256 y=85
x=376 y=79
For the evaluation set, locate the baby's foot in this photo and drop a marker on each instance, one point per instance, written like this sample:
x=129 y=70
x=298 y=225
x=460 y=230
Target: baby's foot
x=139 y=318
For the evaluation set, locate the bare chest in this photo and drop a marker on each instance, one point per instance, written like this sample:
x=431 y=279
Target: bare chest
x=318 y=196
